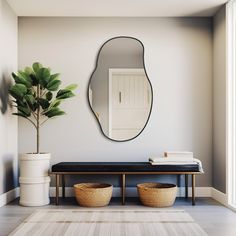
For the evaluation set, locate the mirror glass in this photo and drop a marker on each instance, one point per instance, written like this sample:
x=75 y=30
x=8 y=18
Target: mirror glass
x=119 y=91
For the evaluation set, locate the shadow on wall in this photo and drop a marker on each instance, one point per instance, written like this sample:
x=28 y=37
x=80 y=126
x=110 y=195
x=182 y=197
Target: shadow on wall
x=5 y=84
x=7 y=160
x=10 y=180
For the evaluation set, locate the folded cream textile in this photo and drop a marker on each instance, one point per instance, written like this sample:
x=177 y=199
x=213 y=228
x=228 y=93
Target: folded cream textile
x=173 y=159
x=178 y=154
x=194 y=161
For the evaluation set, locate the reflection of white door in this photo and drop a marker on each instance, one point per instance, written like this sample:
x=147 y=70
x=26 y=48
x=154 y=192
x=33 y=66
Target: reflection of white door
x=129 y=102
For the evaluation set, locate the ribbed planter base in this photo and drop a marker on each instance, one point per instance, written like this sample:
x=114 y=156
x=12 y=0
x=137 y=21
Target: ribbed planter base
x=34 y=191
x=34 y=180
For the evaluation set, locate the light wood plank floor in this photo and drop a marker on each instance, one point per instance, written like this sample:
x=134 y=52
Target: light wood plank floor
x=214 y=218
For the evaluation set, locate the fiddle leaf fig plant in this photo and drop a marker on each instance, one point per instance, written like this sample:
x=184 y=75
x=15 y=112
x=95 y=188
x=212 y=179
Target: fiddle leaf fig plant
x=37 y=95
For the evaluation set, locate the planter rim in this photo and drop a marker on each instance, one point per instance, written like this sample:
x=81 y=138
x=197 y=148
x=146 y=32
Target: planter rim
x=35 y=156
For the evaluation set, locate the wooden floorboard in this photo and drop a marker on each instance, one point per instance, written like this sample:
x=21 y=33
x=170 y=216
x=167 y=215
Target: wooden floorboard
x=214 y=218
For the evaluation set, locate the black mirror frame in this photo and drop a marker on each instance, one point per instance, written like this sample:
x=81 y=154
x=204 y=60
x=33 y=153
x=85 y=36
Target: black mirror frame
x=117 y=37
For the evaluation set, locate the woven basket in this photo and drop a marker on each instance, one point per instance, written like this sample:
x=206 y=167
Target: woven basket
x=157 y=194
x=93 y=194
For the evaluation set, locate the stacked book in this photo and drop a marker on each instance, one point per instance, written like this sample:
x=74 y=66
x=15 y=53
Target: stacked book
x=175 y=158
x=178 y=154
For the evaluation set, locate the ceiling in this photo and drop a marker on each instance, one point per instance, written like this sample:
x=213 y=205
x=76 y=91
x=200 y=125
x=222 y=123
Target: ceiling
x=116 y=8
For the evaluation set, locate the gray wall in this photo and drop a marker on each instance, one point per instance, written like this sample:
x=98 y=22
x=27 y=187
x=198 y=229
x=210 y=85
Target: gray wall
x=178 y=60
x=219 y=101
x=8 y=123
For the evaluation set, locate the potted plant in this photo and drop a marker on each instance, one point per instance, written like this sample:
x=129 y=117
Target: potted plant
x=37 y=98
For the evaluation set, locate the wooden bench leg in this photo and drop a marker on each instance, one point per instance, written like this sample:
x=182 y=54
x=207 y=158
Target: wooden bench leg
x=123 y=189
x=57 y=188
x=193 y=189
x=63 y=186
x=186 y=186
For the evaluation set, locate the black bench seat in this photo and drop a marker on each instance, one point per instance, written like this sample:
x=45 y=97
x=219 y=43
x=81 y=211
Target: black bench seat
x=121 y=167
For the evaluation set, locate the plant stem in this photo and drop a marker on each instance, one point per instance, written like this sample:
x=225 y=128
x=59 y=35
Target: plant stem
x=31 y=122
x=38 y=114
x=44 y=121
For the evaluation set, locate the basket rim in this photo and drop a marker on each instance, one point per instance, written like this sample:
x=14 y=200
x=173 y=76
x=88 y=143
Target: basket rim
x=165 y=185
x=90 y=186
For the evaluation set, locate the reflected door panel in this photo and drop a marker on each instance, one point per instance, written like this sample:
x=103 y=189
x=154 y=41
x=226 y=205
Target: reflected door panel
x=130 y=102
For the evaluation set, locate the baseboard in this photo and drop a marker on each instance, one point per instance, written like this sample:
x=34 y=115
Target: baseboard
x=132 y=192
x=219 y=197
x=9 y=196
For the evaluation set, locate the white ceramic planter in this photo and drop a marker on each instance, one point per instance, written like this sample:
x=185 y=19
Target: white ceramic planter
x=34 y=179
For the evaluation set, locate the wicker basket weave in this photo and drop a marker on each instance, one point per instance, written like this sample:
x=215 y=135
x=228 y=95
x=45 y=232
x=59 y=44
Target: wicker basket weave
x=157 y=194
x=93 y=194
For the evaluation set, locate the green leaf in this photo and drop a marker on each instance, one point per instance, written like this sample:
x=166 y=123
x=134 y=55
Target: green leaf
x=14 y=76
x=18 y=91
x=58 y=113
x=53 y=85
x=34 y=79
x=35 y=106
x=19 y=114
x=55 y=111
x=17 y=79
x=21 y=80
x=44 y=103
x=54 y=76
x=36 y=66
x=49 y=96
x=43 y=76
x=55 y=103
x=24 y=110
x=20 y=102
x=28 y=70
x=25 y=78
x=64 y=94
x=71 y=87
x=30 y=99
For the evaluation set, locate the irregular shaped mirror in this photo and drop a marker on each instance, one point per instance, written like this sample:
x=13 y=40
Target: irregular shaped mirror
x=119 y=91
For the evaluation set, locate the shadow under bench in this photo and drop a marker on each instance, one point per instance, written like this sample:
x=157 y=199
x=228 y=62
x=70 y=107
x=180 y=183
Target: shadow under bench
x=123 y=169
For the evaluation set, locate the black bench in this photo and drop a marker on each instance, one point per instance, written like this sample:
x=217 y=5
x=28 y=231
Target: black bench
x=122 y=168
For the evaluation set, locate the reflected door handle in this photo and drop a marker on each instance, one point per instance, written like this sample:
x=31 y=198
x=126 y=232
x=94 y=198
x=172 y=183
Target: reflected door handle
x=119 y=97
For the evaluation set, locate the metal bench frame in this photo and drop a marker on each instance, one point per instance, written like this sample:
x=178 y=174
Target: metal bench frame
x=60 y=180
